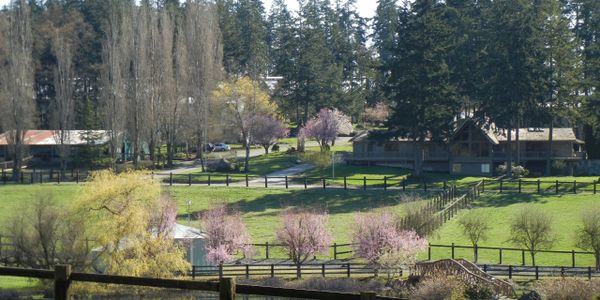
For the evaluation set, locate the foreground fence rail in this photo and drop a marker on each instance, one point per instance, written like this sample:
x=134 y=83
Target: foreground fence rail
x=226 y=287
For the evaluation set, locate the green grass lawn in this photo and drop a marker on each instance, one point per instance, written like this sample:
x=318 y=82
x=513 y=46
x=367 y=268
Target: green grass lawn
x=18 y=283
x=500 y=209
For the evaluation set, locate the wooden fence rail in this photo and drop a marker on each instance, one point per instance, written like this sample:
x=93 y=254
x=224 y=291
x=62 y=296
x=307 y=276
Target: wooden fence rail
x=226 y=287
x=502 y=253
x=501 y=185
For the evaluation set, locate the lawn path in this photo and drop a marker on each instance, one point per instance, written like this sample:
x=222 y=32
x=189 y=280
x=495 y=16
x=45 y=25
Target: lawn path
x=278 y=177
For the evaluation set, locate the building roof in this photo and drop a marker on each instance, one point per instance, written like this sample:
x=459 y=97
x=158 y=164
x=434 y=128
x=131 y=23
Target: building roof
x=51 y=137
x=500 y=135
x=364 y=136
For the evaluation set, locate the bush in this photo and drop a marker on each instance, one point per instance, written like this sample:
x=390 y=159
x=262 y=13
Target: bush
x=568 y=288
x=476 y=292
x=517 y=171
x=438 y=288
x=275 y=148
x=559 y=168
x=321 y=160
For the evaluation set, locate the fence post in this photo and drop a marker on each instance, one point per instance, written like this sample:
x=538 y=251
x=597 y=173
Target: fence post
x=500 y=185
x=385 y=183
x=226 y=179
x=452 y=250
x=594 y=186
x=227 y=288
x=62 y=282
x=510 y=271
x=368 y=296
x=476 y=252
x=246 y=177
x=286 y=182
x=272 y=270
x=304 y=182
x=58 y=177
x=523 y=257
x=537 y=272
x=500 y=254
x=77 y=176
x=334 y=250
x=323 y=179
x=220 y=270
x=429 y=252
x=538 y=187
x=267 y=250
x=346 y=185
x=364 y=183
x=573 y=257
x=556 y=187
x=323 y=270
x=266 y=182
x=519 y=185
x=483 y=185
x=247 y=271
x=189 y=179
x=208 y=181
x=348 y=269
x=171 y=178
x=193 y=272
x=574 y=186
x=590 y=273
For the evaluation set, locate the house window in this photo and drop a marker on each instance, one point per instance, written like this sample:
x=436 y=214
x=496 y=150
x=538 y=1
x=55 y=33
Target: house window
x=391 y=147
x=456 y=168
x=485 y=168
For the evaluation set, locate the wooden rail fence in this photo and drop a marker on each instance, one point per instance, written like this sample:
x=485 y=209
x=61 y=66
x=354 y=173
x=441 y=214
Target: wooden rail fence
x=226 y=287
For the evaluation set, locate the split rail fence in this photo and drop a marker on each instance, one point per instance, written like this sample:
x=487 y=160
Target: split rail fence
x=226 y=287
x=538 y=186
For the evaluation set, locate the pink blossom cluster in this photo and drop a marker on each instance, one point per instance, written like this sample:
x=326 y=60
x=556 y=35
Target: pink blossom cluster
x=305 y=234
x=376 y=234
x=326 y=125
x=226 y=235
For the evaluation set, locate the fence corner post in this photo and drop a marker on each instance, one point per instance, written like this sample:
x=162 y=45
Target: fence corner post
x=227 y=288
x=368 y=296
x=62 y=282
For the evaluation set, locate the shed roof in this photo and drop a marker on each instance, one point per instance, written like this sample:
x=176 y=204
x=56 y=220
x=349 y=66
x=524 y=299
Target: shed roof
x=52 y=137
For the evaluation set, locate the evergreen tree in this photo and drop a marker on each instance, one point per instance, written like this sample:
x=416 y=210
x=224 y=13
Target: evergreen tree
x=252 y=59
x=424 y=100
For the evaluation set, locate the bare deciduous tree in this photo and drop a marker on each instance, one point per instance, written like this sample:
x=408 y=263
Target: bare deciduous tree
x=588 y=236
x=17 y=100
x=204 y=63
x=63 y=107
x=532 y=229
x=475 y=227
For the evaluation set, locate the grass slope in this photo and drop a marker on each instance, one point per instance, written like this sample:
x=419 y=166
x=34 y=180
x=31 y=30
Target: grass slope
x=501 y=208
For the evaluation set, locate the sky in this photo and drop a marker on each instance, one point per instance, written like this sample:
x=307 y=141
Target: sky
x=366 y=8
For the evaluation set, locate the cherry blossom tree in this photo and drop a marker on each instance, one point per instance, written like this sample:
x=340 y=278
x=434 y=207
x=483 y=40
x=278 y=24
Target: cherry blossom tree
x=378 y=238
x=304 y=234
x=377 y=114
x=267 y=130
x=326 y=126
x=226 y=234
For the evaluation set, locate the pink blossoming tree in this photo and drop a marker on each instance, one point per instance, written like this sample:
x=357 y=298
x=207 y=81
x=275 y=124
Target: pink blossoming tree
x=378 y=239
x=377 y=114
x=267 y=131
x=226 y=234
x=326 y=126
x=304 y=234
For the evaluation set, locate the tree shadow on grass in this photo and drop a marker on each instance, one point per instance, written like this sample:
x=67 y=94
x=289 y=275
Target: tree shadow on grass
x=506 y=199
x=333 y=201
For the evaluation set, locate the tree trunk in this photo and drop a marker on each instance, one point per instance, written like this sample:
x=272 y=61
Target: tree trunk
x=170 y=154
x=18 y=155
x=550 y=144
x=518 y=142
x=247 y=156
x=509 y=153
x=266 y=149
x=418 y=158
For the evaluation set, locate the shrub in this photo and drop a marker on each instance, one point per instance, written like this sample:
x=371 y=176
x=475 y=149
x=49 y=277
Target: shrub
x=568 y=289
x=320 y=160
x=517 y=171
x=350 y=285
x=476 y=292
x=558 y=168
x=438 y=288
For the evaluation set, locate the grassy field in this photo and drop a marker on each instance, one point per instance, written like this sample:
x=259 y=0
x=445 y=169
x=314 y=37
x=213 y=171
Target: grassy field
x=500 y=208
x=261 y=209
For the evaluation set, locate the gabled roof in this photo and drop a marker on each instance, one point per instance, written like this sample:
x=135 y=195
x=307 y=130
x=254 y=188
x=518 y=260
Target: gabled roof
x=51 y=137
